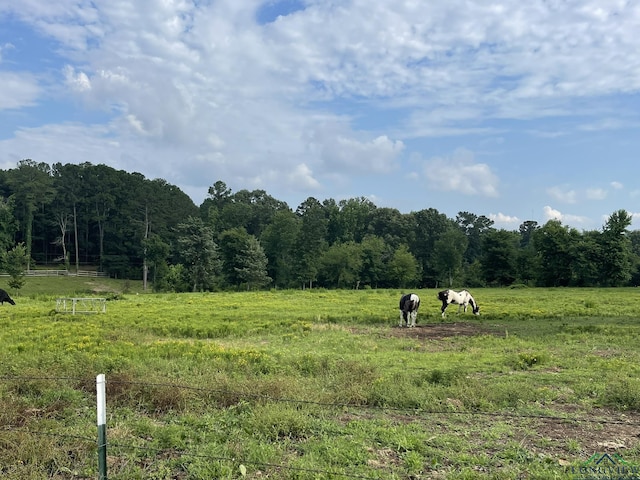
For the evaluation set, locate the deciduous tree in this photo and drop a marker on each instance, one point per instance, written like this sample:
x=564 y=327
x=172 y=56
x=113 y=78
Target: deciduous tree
x=278 y=241
x=199 y=253
x=555 y=245
x=404 y=270
x=448 y=253
x=499 y=255
x=340 y=265
x=15 y=262
x=311 y=242
x=8 y=224
x=616 y=250
x=32 y=185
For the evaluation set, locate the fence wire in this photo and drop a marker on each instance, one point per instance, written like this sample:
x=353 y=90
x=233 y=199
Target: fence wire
x=412 y=412
x=409 y=411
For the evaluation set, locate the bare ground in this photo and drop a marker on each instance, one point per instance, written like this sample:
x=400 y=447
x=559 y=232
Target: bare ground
x=444 y=330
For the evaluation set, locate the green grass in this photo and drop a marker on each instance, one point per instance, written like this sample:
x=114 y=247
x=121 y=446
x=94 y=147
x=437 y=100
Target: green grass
x=72 y=286
x=316 y=384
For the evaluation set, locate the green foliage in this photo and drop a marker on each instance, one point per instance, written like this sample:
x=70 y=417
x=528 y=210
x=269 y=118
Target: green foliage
x=448 y=253
x=615 y=267
x=275 y=422
x=499 y=257
x=200 y=253
x=15 y=262
x=131 y=227
x=403 y=268
x=8 y=223
x=311 y=241
x=341 y=264
x=177 y=279
x=278 y=241
x=527 y=360
x=553 y=242
x=32 y=185
x=429 y=225
x=156 y=254
x=622 y=394
x=251 y=265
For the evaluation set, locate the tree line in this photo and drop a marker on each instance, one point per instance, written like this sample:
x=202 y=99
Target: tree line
x=131 y=227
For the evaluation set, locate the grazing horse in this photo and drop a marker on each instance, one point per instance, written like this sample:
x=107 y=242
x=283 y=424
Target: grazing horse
x=4 y=297
x=409 y=305
x=461 y=298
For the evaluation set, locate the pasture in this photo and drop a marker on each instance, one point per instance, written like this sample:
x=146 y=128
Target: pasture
x=321 y=385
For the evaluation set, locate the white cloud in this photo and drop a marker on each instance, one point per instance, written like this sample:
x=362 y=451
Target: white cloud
x=200 y=91
x=460 y=173
x=562 y=194
x=5 y=47
x=596 y=194
x=505 y=220
x=616 y=185
x=553 y=214
x=488 y=59
x=301 y=178
x=18 y=90
x=76 y=80
x=341 y=150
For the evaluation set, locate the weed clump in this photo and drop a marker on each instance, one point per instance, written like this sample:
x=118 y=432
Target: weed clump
x=527 y=360
x=623 y=394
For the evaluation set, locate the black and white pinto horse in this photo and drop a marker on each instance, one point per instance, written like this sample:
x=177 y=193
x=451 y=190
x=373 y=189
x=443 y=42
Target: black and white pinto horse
x=409 y=305
x=461 y=298
x=4 y=297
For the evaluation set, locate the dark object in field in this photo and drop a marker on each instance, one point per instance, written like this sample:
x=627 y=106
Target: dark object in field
x=409 y=305
x=4 y=297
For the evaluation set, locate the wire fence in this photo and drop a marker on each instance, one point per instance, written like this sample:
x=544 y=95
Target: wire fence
x=409 y=412
x=414 y=412
x=181 y=453
x=60 y=273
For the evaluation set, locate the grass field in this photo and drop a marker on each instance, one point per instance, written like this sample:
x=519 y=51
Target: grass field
x=320 y=384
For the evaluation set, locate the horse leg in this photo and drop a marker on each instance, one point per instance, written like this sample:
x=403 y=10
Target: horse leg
x=413 y=316
x=444 y=307
x=401 y=318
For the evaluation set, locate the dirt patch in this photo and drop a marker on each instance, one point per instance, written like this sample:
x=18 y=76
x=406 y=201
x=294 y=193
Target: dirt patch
x=605 y=432
x=98 y=288
x=444 y=330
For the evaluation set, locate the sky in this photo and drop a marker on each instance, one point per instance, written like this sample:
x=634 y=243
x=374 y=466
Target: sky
x=516 y=110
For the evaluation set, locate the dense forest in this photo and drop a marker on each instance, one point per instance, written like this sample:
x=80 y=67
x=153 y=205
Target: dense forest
x=93 y=216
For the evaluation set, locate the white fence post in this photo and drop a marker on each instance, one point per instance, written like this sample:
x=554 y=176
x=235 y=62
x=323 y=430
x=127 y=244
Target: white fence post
x=102 y=426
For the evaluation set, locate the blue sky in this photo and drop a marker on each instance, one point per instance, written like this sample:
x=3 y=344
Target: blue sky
x=514 y=110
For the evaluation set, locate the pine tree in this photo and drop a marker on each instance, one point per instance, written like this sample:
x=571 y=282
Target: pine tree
x=252 y=265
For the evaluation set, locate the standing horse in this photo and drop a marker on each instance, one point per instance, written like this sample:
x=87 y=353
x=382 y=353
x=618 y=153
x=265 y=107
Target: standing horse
x=409 y=305
x=461 y=298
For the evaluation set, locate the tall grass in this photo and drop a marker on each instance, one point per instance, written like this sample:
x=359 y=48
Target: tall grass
x=315 y=384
